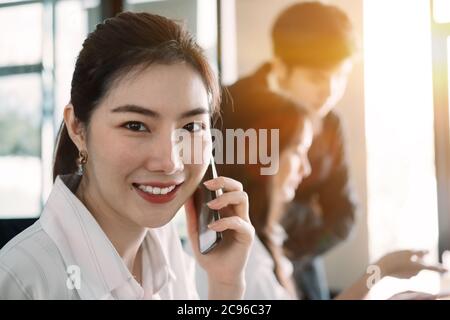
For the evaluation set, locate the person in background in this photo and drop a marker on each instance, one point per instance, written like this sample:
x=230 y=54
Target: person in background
x=313 y=48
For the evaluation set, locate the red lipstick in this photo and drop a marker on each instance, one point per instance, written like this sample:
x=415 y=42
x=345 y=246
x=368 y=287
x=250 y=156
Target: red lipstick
x=157 y=198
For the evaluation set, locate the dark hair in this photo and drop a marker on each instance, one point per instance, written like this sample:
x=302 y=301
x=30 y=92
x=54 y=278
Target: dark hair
x=118 y=46
x=260 y=109
x=313 y=34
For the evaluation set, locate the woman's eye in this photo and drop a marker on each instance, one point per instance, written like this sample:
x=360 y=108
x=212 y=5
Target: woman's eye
x=135 y=126
x=194 y=126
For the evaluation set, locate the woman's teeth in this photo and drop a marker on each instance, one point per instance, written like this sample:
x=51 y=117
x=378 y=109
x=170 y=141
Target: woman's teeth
x=156 y=190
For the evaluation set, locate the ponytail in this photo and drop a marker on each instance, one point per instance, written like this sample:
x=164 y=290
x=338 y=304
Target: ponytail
x=66 y=154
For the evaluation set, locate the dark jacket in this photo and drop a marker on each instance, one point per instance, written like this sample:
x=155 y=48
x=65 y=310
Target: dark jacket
x=323 y=212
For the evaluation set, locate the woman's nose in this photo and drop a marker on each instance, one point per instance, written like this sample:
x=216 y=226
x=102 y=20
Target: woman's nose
x=167 y=157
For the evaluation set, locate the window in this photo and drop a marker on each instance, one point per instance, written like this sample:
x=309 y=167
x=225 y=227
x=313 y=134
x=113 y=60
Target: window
x=39 y=44
x=20 y=163
x=402 y=194
x=441 y=11
x=24 y=45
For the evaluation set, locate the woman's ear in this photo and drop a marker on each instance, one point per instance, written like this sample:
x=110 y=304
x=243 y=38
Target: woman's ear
x=75 y=128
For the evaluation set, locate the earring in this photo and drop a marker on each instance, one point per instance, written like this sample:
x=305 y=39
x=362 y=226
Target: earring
x=81 y=161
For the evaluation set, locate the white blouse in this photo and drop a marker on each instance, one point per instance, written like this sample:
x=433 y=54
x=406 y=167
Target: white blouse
x=66 y=255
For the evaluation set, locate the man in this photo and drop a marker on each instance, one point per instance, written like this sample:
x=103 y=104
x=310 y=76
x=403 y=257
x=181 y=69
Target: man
x=313 y=48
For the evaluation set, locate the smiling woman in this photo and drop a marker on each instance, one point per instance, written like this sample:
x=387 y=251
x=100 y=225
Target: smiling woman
x=119 y=178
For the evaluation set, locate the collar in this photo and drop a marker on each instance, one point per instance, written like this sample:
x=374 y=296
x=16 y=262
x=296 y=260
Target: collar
x=82 y=243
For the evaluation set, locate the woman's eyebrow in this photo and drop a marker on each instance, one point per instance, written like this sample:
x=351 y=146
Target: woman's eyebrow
x=194 y=112
x=150 y=113
x=136 y=109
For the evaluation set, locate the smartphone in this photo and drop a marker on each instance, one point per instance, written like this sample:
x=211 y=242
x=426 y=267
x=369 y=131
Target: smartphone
x=208 y=239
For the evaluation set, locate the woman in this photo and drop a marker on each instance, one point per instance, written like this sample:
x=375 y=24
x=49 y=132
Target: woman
x=269 y=272
x=106 y=230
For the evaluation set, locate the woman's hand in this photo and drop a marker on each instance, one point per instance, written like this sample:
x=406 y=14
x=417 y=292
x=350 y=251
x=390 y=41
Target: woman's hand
x=225 y=264
x=406 y=264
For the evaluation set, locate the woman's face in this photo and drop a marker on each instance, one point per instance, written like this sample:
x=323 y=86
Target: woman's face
x=134 y=168
x=294 y=165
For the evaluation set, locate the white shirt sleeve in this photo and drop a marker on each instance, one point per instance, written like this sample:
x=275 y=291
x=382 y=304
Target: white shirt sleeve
x=10 y=287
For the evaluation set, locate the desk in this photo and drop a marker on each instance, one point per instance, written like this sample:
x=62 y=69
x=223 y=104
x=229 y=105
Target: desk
x=425 y=281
